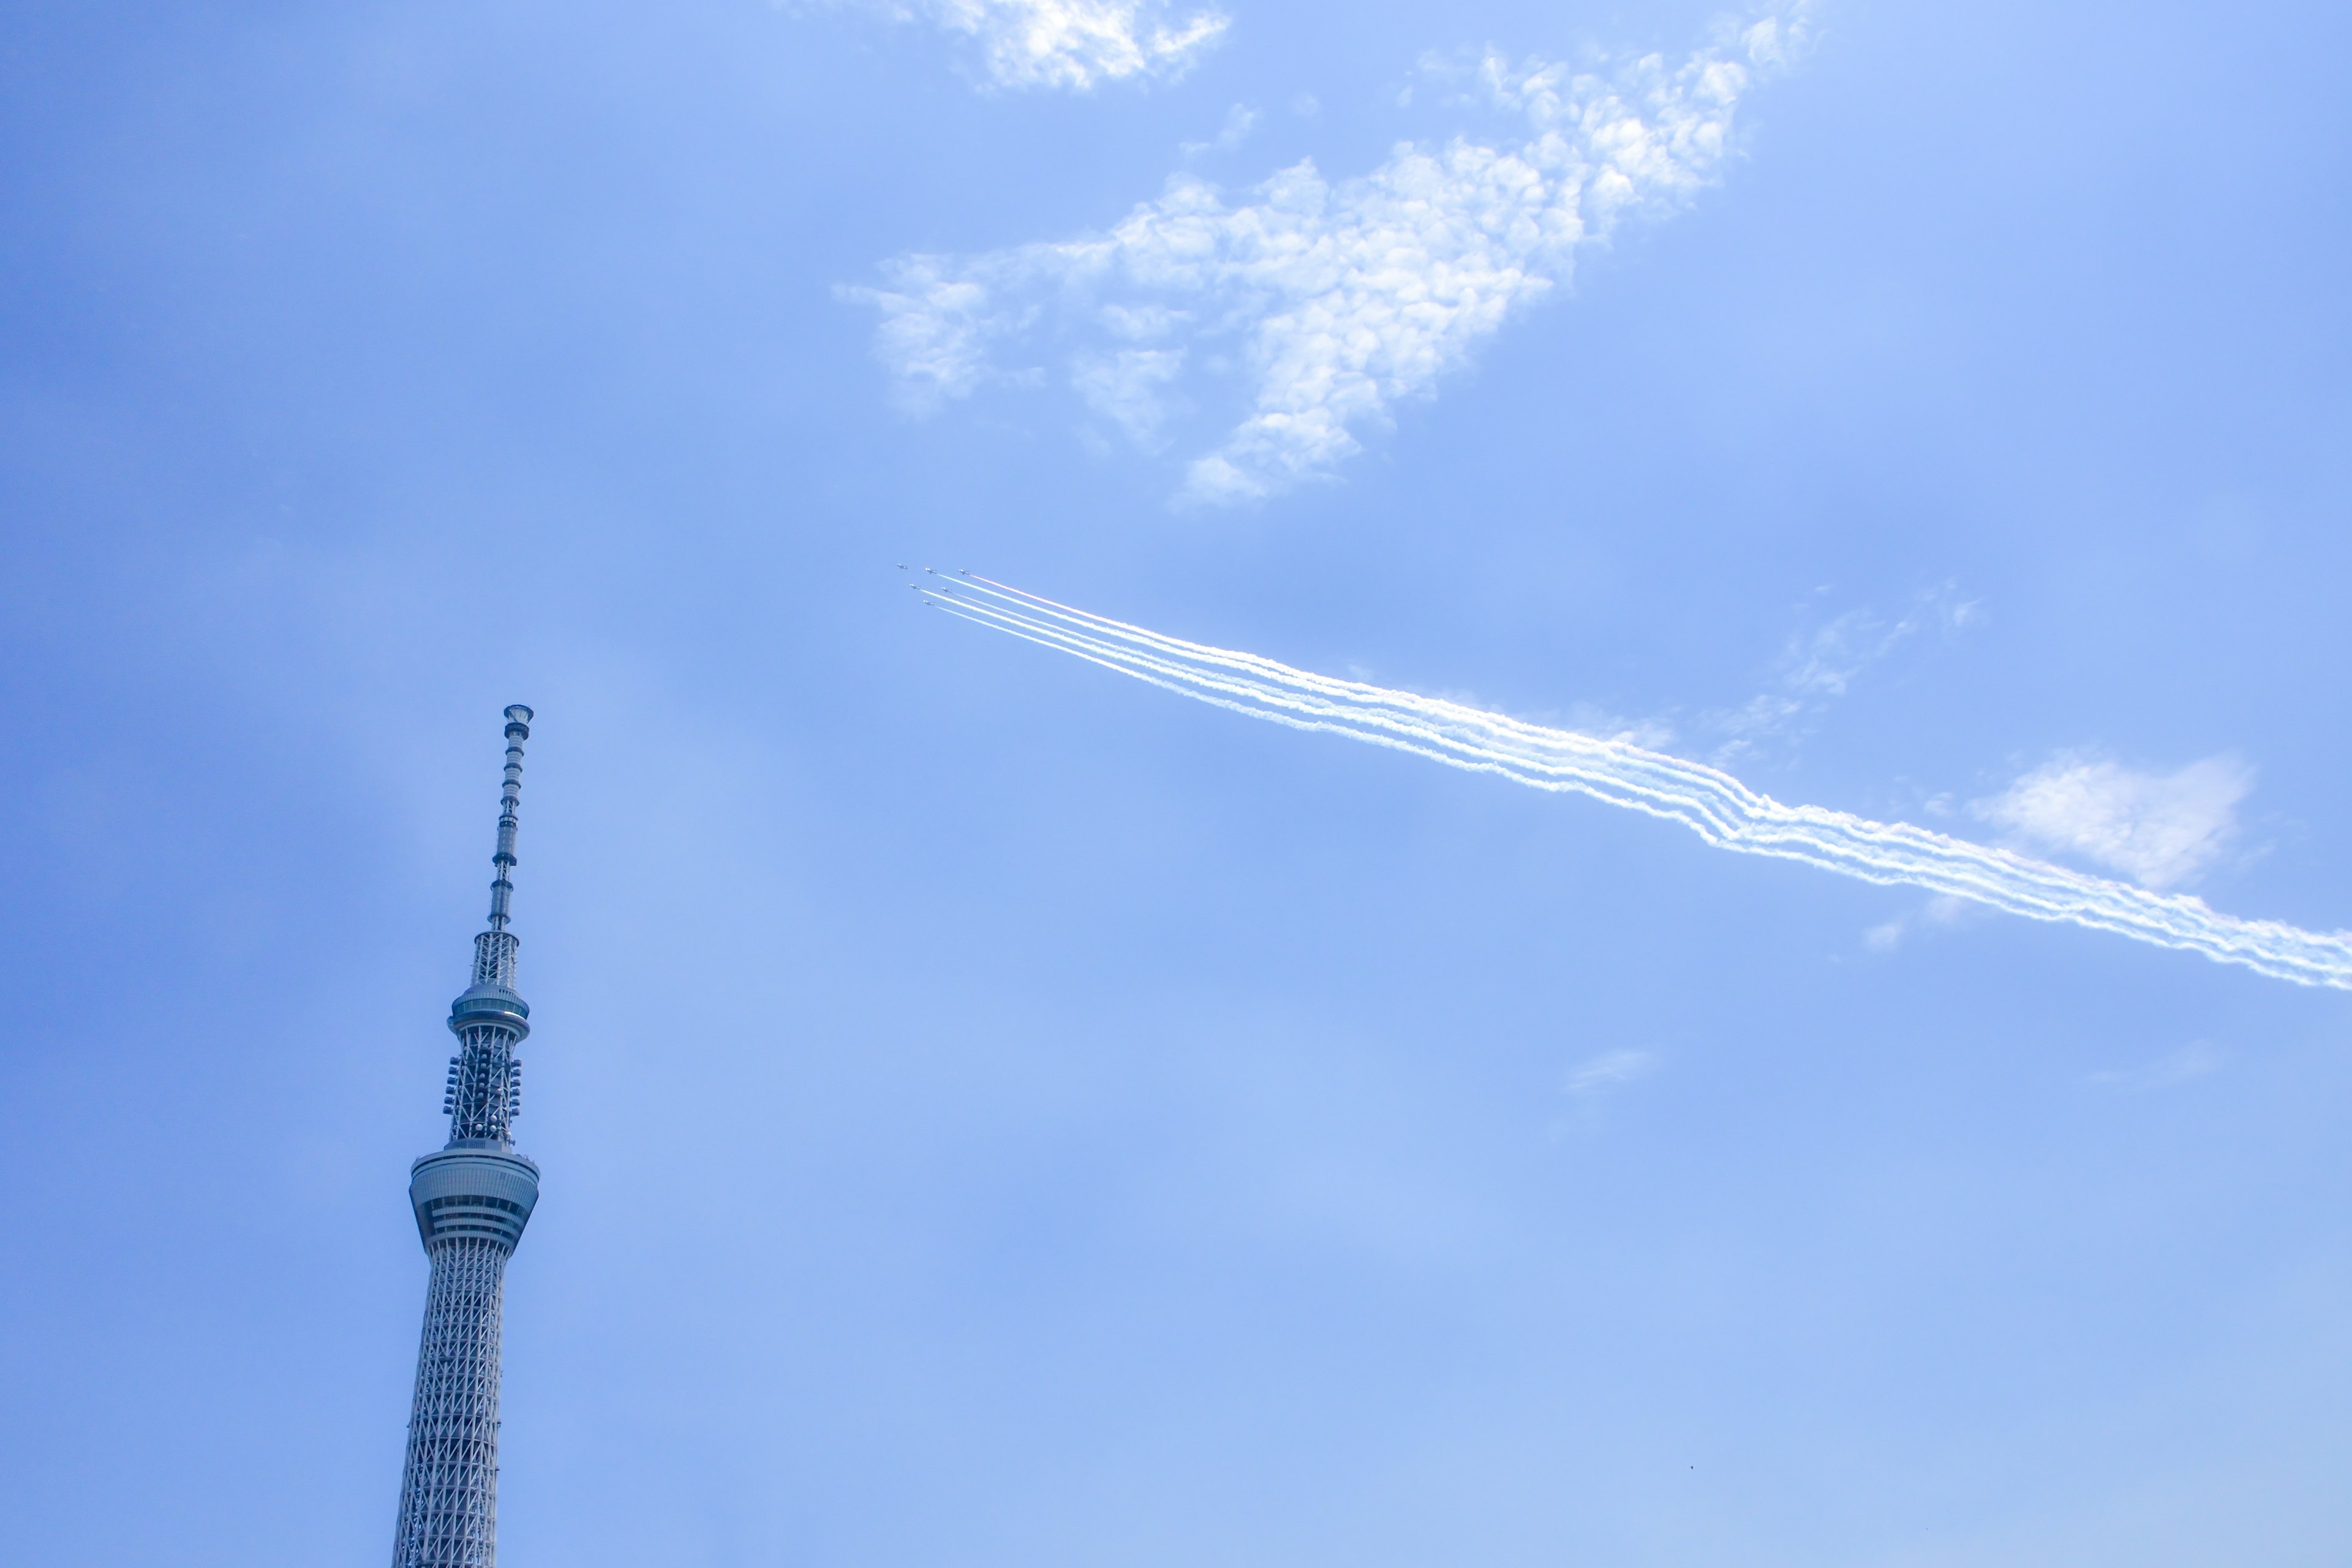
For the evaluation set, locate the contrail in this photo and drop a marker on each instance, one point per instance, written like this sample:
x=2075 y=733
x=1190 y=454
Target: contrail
x=1707 y=801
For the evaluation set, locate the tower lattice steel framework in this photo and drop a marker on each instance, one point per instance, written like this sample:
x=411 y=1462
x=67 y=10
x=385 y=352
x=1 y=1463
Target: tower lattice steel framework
x=472 y=1200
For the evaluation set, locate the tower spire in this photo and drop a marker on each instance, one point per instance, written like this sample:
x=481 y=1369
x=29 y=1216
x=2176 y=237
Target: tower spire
x=494 y=949
x=502 y=887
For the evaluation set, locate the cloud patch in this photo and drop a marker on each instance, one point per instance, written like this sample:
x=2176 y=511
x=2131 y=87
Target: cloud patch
x=1821 y=666
x=1316 y=305
x=1074 y=45
x=2159 y=829
x=1240 y=119
x=1938 y=913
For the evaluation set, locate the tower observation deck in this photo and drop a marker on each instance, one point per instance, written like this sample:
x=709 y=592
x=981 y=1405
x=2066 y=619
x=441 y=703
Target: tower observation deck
x=472 y=1199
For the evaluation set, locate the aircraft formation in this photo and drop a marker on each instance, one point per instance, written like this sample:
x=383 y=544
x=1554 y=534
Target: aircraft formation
x=941 y=587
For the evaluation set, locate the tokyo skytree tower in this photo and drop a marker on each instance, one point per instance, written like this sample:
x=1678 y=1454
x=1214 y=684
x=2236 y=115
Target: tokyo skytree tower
x=472 y=1200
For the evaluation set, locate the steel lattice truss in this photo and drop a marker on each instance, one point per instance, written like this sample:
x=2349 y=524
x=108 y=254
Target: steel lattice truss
x=449 y=1490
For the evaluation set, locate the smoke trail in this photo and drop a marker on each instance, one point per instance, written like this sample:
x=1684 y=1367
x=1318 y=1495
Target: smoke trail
x=1710 y=803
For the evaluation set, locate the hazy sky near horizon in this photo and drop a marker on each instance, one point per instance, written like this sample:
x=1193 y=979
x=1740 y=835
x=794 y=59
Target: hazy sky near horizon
x=994 y=1112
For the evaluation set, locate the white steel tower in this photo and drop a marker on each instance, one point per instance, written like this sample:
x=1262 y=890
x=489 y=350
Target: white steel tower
x=472 y=1200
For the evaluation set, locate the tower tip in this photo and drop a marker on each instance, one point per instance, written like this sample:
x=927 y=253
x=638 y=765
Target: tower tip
x=518 y=731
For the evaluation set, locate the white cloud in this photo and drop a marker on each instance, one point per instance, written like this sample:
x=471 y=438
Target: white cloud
x=1334 y=300
x=1940 y=912
x=2159 y=829
x=1073 y=43
x=1611 y=1070
x=1240 y=119
x=1821 y=666
x=1127 y=387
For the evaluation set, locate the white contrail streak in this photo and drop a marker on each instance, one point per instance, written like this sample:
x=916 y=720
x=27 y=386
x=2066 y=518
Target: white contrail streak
x=1707 y=801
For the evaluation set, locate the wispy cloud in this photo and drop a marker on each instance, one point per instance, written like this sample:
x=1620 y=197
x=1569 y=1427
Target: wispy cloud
x=1240 y=119
x=2161 y=829
x=1072 y=43
x=2192 y=1061
x=1329 y=302
x=1937 y=914
x=1609 y=1070
x=1821 y=665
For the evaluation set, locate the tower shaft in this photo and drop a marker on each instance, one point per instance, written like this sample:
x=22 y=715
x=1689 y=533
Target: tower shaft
x=449 y=1490
x=471 y=1199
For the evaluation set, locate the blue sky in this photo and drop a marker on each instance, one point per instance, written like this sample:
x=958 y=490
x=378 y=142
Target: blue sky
x=997 y=1113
